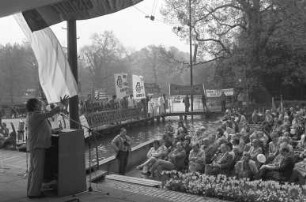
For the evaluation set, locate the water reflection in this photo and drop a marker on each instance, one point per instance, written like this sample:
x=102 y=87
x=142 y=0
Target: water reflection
x=140 y=134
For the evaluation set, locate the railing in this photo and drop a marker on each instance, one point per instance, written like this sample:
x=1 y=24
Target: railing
x=97 y=119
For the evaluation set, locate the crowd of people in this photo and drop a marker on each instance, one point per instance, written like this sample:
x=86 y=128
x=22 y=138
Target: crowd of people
x=270 y=146
x=7 y=138
x=148 y=104
x=107 y=104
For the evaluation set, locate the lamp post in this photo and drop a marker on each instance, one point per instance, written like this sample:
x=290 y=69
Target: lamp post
x=190 y=47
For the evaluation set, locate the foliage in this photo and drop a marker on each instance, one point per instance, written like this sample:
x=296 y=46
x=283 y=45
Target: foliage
x=247 y=39
x=228 y=188
x=18 y=72
x=159 y=65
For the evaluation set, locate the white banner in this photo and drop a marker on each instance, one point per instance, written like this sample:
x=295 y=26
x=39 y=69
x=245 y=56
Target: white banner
x=217 y=93
x=138 y=87
x=121 y=84
x=55 y=75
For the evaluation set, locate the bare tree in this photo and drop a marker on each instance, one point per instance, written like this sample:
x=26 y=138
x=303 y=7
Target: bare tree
x=101 y=55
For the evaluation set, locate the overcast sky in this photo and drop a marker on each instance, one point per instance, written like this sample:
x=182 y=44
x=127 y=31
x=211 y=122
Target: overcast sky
x=130 y=26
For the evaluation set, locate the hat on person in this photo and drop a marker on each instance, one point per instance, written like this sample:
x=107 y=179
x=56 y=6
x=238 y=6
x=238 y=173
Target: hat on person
x=187 y=137
x=205 y=141
x=202 y=128
x=261 y=158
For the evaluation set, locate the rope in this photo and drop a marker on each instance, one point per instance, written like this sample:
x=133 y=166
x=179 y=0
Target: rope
x=154 y=7
x=140 y=10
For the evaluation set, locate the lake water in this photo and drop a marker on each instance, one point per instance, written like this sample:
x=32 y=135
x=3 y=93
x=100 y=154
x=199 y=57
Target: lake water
x=140 y=134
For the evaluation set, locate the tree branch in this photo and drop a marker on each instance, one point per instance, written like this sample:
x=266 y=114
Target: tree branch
x=211 y=39
x=215 y=9
x=208 y=61
x=270 y=32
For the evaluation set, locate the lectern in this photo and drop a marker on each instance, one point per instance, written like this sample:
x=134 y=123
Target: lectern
x=65 y=162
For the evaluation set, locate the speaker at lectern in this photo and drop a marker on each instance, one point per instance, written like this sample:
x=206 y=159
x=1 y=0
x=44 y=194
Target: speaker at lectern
x=65 y=162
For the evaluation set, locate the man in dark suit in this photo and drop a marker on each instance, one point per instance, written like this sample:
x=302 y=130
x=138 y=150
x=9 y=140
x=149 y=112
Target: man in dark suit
x=280 y=171
x=39 y=139
x=223 y=163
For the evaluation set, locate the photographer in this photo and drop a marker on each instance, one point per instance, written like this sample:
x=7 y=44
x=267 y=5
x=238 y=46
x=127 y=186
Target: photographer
x=122 y=146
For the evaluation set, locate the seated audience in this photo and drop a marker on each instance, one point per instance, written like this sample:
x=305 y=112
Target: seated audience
x=223 y=162
x=299 y=173
x=196 y=159
x=255 y=149
x=246 y=167
x=174 y=160
x=273 y=147
x=158 y=151
x=273 y=150
x=278 y=171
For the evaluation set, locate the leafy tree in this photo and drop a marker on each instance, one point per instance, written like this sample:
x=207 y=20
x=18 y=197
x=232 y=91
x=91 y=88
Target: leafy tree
x=238 y=33
x=19 y=72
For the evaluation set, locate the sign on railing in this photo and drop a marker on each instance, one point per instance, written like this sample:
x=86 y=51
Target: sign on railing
x=186 y=90
x=97 y=119
x=217 y=93
x=152 y=88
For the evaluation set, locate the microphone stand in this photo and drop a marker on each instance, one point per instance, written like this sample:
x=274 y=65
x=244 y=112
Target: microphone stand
x=27 y=158
x=91 y=134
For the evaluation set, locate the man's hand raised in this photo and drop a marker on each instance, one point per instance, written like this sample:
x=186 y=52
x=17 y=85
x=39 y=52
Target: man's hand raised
x=65 y=100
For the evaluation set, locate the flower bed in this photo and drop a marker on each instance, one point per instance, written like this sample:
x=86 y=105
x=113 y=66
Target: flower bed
x=228 y=188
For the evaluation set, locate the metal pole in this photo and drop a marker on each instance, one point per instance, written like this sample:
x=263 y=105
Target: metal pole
x=73 y=61
x=190 y=46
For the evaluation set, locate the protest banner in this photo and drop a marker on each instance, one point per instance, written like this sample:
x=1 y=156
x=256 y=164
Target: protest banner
x=152 y=88
x=186 y=90
x=138 y=87
x=121 y=85
x=96 y=120
x=217 y=93
x=213 y=98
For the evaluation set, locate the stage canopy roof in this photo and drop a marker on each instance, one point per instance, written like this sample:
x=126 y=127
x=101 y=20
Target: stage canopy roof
x=40 y=14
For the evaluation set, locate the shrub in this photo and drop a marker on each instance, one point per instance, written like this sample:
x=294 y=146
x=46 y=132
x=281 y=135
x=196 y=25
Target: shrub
x=230 y=188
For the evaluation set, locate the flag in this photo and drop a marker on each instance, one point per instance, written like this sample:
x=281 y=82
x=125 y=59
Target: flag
x=55 y=76
x=282 y=105
x=273 y=104
x=204 y=90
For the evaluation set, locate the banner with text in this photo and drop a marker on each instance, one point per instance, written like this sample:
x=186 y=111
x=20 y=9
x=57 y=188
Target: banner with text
x=152 y=88
x=57 y=12
x=217 y=93
x=138 y=87
x=122 y=85
x=186 y=90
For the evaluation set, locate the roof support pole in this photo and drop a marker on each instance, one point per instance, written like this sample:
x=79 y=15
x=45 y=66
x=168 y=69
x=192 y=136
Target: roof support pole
x=73 y=61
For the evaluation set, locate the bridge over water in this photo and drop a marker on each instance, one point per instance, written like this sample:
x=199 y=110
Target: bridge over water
x=121 y=117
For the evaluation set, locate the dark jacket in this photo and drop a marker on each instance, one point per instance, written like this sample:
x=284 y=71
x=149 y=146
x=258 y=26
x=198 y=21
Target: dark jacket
x=286 y=167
